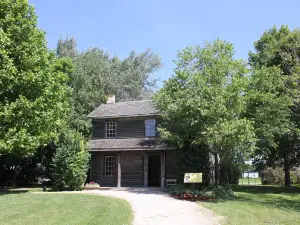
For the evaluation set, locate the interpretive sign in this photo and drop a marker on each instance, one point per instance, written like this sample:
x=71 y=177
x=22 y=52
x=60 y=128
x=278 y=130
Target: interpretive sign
x=193 y=178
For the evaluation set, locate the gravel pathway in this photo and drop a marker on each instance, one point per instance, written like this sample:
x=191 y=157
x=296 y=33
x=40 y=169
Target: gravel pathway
x=154 y=207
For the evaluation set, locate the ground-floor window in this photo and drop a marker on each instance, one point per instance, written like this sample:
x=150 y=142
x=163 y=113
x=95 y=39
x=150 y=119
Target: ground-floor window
x=110 y=165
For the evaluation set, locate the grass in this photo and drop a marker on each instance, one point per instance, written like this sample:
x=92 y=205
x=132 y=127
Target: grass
x=246 y=181
x=255 y=205
x=21 y=207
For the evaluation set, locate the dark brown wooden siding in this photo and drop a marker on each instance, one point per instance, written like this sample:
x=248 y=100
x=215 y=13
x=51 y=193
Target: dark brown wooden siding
x=132 y=165
x=98 y=129
x=126 y=127
x=130 y=128
x=132 y=169
x=97 y=170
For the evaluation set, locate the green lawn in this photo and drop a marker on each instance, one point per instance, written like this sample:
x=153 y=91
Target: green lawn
x=57 y=208
x=250 y=181
x=255 y=205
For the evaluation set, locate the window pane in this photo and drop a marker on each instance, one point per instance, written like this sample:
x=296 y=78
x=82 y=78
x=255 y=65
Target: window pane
x=109 y=165
x=111 y=129
x=150 y=128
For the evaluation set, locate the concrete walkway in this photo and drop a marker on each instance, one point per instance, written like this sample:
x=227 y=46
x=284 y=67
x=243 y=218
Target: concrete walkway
x=155 y=207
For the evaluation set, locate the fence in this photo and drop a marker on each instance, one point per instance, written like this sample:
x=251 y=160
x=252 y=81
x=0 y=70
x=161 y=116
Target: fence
x=250 y=181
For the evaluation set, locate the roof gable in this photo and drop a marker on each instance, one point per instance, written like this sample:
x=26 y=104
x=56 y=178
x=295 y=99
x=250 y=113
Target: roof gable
x=124 y=109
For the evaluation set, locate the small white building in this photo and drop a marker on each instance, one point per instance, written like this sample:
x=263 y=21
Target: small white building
x=250 y=174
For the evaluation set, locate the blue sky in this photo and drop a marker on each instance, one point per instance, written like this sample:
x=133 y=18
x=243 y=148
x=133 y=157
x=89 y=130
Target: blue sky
x=166 y=26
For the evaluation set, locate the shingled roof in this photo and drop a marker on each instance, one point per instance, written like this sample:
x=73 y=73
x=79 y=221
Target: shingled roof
x=124 y=109
x=126 y=144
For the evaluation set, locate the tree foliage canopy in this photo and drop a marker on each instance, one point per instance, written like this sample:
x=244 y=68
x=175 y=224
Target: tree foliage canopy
x=278 y=47
x=204 y=101
x=66 y=48
x=33 y=96
x=96 y=73
x=277 y=112
x=269 y=105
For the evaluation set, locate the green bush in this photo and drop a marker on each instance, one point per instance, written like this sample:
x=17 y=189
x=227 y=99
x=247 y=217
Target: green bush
x=70 y=163
x=219 y=192
x=276 y=176
x=295 y=177
x=206 y=193
x=178 y=188
x=272 y=176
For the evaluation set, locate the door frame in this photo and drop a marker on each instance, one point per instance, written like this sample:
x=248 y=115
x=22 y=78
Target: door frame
x=162 y=167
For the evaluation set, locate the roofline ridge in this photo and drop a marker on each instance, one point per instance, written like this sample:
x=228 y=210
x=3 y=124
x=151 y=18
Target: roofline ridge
x=149 y=100
x=125 y=116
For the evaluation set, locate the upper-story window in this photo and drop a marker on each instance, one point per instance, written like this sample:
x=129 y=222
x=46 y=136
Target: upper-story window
x=111 y=128
x=150 y=128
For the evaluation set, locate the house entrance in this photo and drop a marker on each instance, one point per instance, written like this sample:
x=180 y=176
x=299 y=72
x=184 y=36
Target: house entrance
x=154 y=170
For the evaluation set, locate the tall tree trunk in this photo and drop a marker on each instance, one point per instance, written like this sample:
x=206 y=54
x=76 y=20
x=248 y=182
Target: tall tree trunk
x=223 y=173
x=217 y=169
x=287 y=175
x=16 y=171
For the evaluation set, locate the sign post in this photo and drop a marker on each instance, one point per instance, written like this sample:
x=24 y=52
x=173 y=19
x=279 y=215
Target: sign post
x=193 y=178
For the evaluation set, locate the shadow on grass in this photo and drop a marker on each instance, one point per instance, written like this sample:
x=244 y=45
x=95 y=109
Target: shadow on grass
x=157 y=191
x=137 y=190
x=9 y=191
x=22 y=189
x=271 y=201
x=268 y=196
x=266 y=189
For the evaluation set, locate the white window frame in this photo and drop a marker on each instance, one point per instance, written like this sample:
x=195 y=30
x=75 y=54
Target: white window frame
x=150 y=128
x=109 y=165
x=110 y=129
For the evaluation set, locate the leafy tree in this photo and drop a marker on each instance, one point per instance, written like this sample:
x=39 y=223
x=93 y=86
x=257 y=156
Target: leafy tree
x=134 y=73
x=268 y=104
x=27 y=170
x=66 y=48
x=270 y=108
x=204 y=102
x=280 y=48
x=70 y=163
x=33 y=96
x=194 y=159
x=63 y=65
x=97 y=73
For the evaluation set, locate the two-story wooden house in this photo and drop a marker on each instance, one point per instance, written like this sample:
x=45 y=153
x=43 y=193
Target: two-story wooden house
x=124 y=148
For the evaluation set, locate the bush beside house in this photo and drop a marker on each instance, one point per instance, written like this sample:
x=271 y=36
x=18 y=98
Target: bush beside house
x=70 y=162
